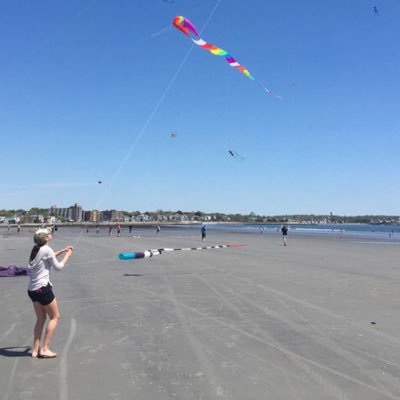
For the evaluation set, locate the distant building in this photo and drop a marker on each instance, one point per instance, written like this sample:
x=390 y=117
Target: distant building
x=142 y=218
x=38 y=219
x=106 y=215
x=117 y=216
x=95 y=216
x=77 y=213
x=72 y=213
x=64 y=213
x=87 y=216
x=50 y=220
x=54 y=210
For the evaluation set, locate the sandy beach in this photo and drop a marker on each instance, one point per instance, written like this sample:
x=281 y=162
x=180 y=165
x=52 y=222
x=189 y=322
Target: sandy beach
x=317 y=319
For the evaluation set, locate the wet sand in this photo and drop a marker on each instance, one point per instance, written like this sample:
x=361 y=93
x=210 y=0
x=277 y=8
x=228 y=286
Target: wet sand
x=317 y=319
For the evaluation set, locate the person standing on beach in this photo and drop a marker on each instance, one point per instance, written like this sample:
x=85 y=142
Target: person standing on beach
x=203 y=232
x=118 y=230
x=110 y=230
x=97 y=229
x=40 y=289
x=158 y=229
x=284 y=231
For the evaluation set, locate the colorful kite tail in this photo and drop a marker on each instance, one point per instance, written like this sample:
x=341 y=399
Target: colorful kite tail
x=186 y=27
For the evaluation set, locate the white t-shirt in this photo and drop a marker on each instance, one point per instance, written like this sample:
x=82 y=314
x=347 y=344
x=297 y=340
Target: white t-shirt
x=40 y=267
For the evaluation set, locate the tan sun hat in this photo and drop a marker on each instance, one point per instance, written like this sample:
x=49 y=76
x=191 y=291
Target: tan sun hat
x=40 y=236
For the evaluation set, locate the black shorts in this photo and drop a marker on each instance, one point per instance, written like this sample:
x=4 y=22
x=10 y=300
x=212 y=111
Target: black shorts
x=43 y=295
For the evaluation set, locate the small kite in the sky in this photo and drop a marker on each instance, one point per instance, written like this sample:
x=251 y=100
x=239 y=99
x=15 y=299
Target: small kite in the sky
x=236 y=155
x=186 y=27
x=173 y=134
x=376 y=10
x=100 y=182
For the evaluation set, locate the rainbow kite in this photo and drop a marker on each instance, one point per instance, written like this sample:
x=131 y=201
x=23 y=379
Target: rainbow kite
x=185 y=26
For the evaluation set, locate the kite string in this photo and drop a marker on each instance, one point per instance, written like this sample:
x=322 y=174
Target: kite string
x=148 y=121
x=161 y=31
x=153 y=113
x=210 y=16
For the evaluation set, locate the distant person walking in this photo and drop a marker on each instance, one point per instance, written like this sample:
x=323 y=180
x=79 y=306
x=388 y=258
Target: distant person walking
x=130 y=229
x=40 y=289
x=158 y=229
x=118 y=230
x=284 y=231
x=110 y=230
x=18 y=228
x=203 y=231
x=97 y=229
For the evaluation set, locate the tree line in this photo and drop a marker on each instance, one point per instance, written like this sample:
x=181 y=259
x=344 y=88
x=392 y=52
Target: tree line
x=252 y=217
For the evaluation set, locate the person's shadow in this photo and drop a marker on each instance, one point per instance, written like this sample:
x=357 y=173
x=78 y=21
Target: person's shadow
x=15 y=351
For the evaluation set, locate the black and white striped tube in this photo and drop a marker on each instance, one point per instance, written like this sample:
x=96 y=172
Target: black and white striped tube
x=156 y=252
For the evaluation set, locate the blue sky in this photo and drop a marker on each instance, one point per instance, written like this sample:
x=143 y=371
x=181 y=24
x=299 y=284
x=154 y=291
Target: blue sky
x=91 y=90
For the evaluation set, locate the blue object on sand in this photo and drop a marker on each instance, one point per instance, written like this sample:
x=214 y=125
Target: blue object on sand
x=131 y=256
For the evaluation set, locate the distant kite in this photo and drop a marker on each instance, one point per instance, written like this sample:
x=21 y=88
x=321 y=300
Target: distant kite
x=376 y=10
x=99 y=182
x=185 y=26
x=236 y=155
x=173 y=134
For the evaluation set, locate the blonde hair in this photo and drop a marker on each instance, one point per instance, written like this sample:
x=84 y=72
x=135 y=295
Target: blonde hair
x=40 y=236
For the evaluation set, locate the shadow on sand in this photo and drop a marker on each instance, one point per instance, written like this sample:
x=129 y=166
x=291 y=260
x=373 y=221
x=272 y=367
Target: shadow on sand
x=133 y=274
x=15 y=351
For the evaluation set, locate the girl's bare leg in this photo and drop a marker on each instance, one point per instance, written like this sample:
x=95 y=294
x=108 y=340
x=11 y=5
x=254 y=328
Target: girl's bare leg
x=52 y=311
x=37 y=332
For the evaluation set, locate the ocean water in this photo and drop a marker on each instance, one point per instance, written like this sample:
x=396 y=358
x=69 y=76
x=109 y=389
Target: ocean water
x=386 y=233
